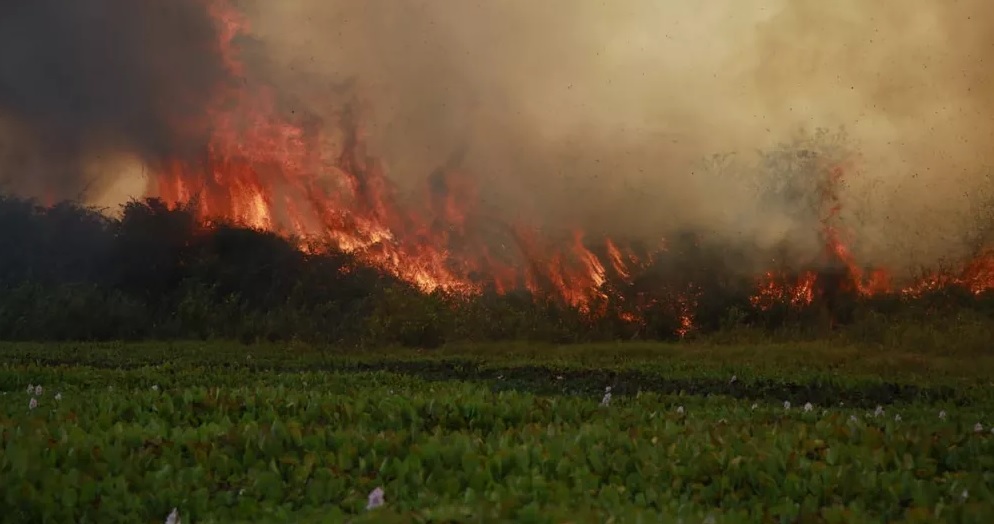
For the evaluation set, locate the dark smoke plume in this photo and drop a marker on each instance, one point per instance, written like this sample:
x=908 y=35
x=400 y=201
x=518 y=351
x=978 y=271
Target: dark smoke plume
x=85 y=78
x=593 y=115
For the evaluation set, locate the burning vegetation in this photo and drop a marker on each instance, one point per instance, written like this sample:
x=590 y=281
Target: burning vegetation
x=266 y=177
x=267 y=171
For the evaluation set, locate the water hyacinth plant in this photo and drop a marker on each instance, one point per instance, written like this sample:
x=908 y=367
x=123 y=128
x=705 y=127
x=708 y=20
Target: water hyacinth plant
x=606 y=401
x=306 y=441
x=376 y=499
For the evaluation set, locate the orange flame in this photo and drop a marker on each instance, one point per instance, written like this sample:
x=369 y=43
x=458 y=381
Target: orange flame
x=265 y=170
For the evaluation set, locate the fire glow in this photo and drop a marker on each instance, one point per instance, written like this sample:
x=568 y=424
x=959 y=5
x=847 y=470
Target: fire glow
x=265 y=170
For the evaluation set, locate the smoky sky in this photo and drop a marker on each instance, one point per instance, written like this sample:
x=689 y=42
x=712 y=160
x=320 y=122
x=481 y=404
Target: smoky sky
x=605 y=114
x=602 y=115
x=81 y=78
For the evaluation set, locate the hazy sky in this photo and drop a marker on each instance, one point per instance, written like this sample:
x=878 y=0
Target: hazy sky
x=570 y=111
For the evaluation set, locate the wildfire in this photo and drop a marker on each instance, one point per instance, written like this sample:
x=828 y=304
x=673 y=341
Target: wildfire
x=268 y=171
x=775 y=289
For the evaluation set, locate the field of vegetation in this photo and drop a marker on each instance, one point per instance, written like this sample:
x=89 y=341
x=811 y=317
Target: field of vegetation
x=639 y=432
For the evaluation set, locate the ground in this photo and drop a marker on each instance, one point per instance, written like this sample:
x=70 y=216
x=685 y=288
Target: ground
x=223 y=432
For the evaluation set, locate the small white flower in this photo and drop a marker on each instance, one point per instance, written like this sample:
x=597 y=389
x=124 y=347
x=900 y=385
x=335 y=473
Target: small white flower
x=31 y=389
x=965 y=495
x=978 y=427
x=824 y=412
x=155 y=387
x=38 y=391
x=754 y=406
x=559 y=377
x=33 y=403
x=241 y=492
x=808 y=407
x=842 y=404
x=607 y=389
x=879 y=412
x=58 y=396
x=897 y=418
x=853 y=419
x=786 y=404
x=173 y=517
x=679 y=410
x=606 y=401
x=942 y=414
x=734 y=379
x=375 y=499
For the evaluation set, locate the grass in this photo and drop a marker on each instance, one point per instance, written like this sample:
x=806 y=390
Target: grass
x=495 y=433
x=787 y=357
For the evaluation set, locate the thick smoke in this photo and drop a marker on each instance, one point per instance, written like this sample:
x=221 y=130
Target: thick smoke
x=569 y=113
x=598 y=114
x=913 y=83
x=84 y=81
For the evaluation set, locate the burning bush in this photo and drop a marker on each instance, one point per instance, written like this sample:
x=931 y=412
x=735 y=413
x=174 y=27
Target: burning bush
x=274 y=223
x=156 y=271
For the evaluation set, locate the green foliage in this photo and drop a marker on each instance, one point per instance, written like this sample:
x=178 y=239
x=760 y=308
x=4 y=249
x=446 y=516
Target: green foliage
x=251 y=439
x=408 y=319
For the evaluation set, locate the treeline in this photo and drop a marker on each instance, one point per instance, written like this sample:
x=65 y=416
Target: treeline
x=69 y=272
x=72 y=273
